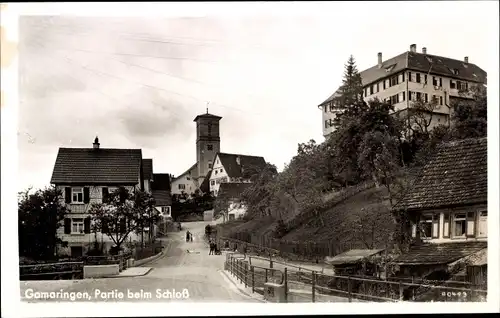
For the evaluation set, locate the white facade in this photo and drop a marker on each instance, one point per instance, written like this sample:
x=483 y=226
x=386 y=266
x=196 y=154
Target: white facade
x=185 y=183
x=219 y=175
x=79 y=212
x=236 y=211
x=453 y=225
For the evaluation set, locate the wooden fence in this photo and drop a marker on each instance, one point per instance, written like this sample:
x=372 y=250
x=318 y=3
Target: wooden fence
x=314 y=285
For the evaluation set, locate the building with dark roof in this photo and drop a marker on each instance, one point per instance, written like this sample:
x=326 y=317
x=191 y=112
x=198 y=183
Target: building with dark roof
x=231 y=194
x=86 y=176
x=410 y=76
x=162 y=194
x=447 y=205
x=234 y=168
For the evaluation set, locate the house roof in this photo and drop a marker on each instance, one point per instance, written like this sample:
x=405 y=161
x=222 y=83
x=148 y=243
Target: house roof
x=207 y=115
x=205 y=185
x=457 y=174
x=444 y=253
x=102 y=166
x=162 y=197
x=161 y=181
x=443 y=66
x=147 y=169
x=247 y=165
x=352 y=256
x=232 y=190
x=188 y=171
x=332 y=97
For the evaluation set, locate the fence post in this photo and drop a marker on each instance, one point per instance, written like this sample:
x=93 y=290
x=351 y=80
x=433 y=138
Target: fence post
x=400 y=291
x=313 y=286
x=253 y=278
x=266 y=275
x=286 y=285
x=349 y=287
x=246 y=274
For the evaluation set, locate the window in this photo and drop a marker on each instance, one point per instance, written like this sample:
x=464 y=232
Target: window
x=210 y=147
x=455 y=71
x=326 y=123
x=425 y=78
x=418 y=78
x=366 y=91
x=220 y=170
x=409 y=76
x=188 y=178
x=404 y=93
x=426 y=97
x=453 y=85
x=212 y=182
x=383 y=84
x=209 y=165
x=378 y=88
x=440 y=100
x=77 y=226
x=165 y=210
x=394 y=81
x=419 y=96
x=402 y=77
x=77 y=195
x=440 y=82
x=459 y=225
x=371 y=89
x=483 y=224
x=434 y=81
x=434 y=99
x=426 y=226
x=182 y=186
x=332 y=107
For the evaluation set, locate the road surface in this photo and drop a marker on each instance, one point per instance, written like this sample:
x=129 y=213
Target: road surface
x=185 y=273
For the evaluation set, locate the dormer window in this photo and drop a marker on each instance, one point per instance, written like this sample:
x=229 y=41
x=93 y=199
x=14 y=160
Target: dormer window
x=429 y=59
x=455 y=71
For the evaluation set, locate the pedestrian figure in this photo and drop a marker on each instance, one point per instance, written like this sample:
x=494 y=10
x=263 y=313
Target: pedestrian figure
x=187 y=236
x=191 y=237
x=211 y=249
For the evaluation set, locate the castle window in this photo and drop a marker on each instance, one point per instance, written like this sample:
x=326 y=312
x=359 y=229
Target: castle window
x=210 y=147
x=418 y=77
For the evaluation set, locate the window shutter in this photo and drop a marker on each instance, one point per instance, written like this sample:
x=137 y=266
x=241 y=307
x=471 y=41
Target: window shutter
x=86 y=195
x=86 y=225
x=105 y=194
x=67 y=225
x=435 y=226
x=67 y=195
x=470 y=229
x=446 y=225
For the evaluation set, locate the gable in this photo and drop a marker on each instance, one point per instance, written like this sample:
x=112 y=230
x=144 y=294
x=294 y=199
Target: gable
x=241 y=166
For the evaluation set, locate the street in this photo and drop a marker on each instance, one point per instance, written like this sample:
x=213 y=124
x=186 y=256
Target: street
x=185 y=273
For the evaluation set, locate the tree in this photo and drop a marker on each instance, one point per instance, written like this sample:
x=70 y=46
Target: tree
x=258 y=196
x=40 y=214
x=123 y=213
x=469 y=117
x=349 y=102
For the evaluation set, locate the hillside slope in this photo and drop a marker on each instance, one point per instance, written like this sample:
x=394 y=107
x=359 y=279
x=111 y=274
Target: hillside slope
x=363 y=220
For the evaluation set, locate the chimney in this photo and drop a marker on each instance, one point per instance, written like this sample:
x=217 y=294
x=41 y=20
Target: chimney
x=466 y=59
x=413 y=48
x=96 y=143
x=379 y=59
x=424 y=50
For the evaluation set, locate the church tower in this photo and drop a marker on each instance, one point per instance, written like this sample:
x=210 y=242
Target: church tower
x=207 y=143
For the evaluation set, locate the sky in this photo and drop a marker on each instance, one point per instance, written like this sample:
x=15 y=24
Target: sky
x=138 y=82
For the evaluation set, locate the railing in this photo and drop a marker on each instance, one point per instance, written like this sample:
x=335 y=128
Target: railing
x=311 y=285
x=61 y=270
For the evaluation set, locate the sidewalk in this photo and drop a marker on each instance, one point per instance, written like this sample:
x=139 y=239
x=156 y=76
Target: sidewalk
x=240 y=287
x=134 y=271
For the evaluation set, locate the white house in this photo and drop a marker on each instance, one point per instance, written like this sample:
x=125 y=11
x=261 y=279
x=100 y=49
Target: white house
x=186 y=182
x=233 y=168
x=231 y=194
x=86 y=176
x=411 y=76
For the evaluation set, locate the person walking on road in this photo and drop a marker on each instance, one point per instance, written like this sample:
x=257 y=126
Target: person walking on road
x=187 y=236
x=211 y=248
